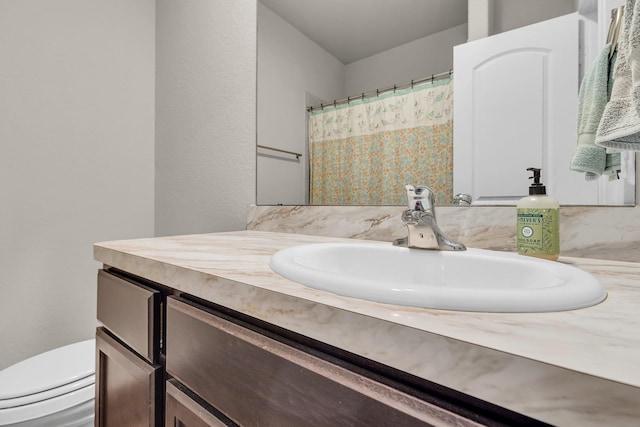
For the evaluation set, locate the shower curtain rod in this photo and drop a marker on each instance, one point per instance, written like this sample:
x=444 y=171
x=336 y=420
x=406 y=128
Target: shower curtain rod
x=377 y=92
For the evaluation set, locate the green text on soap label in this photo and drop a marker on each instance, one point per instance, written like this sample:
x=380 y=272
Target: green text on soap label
x=538 y=231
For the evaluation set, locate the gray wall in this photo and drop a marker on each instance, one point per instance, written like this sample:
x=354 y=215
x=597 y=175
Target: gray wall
x=87 y=155
x=205 y=115
x=290 y=66
x=511 y=14
x=76 y=158
x=414 y=60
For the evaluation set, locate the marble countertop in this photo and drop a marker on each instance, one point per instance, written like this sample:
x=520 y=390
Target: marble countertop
x=579 y=367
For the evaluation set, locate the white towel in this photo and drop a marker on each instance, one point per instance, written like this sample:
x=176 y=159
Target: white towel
x=619 y=127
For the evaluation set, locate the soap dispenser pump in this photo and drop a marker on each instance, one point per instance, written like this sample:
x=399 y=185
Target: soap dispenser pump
x=538 y=222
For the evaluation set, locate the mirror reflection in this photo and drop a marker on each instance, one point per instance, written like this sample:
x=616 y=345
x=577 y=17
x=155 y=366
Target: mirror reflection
x=311 y=53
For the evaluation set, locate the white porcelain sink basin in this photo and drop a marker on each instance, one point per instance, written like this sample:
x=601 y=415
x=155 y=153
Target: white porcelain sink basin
x=471 y=280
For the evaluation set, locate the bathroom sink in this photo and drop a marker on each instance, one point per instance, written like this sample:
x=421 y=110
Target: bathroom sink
x=471 y=280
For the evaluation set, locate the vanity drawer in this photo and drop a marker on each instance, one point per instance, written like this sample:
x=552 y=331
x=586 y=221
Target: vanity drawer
x=131 y=311
x=255 y=379
x=182 y=410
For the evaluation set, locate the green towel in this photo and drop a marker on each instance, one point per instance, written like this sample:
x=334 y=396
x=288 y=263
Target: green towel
x=589 y=158
x=620 y=124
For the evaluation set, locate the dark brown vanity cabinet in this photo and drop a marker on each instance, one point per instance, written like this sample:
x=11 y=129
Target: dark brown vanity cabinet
x=167 y=358
x=129 y=378
x=256 y=379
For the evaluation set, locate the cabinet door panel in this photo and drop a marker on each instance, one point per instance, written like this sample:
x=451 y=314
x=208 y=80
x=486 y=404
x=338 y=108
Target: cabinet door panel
x=127 y=387
x=182 y=411
x=131 y=312
x=257 y=380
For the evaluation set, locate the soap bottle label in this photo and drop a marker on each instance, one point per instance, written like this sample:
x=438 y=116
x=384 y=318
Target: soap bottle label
x=538 y=231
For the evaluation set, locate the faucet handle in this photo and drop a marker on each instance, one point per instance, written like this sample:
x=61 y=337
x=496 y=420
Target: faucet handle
x=420 y=198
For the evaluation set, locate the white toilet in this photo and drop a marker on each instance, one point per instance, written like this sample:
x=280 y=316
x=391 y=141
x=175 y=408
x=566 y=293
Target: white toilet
x=56 y=388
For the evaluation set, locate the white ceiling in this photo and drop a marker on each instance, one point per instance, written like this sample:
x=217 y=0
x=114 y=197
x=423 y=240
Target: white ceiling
x=354 y=29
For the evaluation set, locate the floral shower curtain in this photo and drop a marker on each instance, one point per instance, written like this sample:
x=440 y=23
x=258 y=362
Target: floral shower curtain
x=365 y=152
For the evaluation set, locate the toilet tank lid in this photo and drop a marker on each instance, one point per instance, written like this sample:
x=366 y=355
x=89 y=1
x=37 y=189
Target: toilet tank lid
x=54 y=368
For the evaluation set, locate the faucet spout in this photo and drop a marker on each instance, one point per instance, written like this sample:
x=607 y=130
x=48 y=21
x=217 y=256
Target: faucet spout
x=420 y=219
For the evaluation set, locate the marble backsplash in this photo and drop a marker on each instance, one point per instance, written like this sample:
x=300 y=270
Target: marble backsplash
x=599 y=232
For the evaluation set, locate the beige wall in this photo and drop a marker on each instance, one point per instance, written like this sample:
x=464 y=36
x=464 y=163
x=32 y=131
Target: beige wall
x=76 y=158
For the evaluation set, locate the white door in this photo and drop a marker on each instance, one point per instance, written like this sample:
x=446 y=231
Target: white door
x=515 y=102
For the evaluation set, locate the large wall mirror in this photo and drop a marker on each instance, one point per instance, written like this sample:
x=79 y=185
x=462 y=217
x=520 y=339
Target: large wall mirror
x=316 y=51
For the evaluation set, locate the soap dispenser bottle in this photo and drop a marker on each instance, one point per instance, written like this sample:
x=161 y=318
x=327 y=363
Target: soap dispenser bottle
x=538 y=222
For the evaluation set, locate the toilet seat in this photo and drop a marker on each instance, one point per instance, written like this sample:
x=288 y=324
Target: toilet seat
x=47 y=394
x=49 y=370
x=47 y=407
x=48 y=383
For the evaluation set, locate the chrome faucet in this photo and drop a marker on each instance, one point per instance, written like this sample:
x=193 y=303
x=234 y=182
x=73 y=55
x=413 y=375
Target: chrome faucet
x=420 y=220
